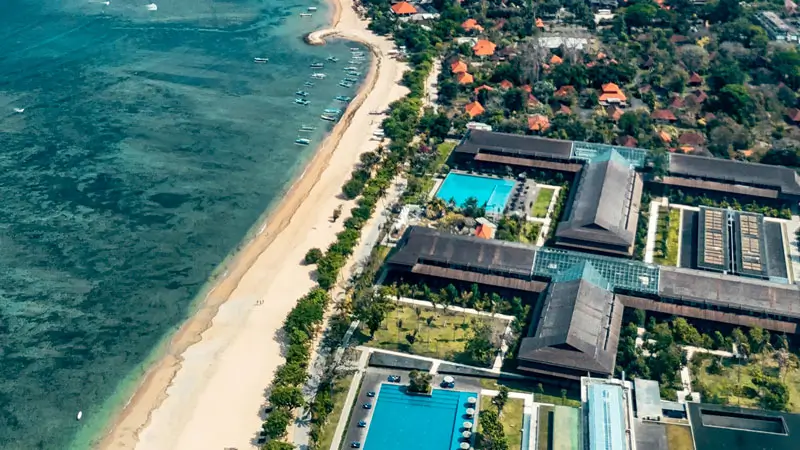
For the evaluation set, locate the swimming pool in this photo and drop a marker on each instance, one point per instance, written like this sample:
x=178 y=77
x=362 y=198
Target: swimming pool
x=402 y=422
x=493 y=192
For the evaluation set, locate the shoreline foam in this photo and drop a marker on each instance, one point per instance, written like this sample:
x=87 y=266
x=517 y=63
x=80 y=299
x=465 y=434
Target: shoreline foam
x=160 y=380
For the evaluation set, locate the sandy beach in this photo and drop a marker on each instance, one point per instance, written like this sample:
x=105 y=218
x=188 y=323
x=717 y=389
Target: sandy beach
x=208 y=389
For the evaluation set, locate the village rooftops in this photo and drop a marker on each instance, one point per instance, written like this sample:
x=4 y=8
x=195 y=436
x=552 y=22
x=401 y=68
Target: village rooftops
x=484 y=48
x=404 y=8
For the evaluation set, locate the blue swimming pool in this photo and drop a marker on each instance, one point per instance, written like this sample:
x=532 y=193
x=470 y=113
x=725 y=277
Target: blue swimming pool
x=402 y=422
x=493 y=192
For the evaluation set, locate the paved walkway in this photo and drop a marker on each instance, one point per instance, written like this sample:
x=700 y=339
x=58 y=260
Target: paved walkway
x=427 y=304
x=652 y=227
x=547 y=222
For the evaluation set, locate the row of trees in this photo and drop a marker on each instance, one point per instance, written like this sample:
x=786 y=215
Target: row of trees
x=678 y=196
x=299 y=328
x=492 y=435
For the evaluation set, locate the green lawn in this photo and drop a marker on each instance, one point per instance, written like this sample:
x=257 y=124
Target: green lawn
x=542 y=202
x=551 y=394
x=444 y=338
x=511 y=419
x=679 y=437
x=340 y=388
x=668 y=235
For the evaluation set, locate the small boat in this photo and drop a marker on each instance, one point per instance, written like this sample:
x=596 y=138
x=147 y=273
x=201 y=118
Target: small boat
x=19 y=110
x=342 y=98
x=350 y=68
x=151 y=7
x=332 y=111
x=301 y=93
x=80 y=415
x=353 y=73
x=355 y=49
x=260 y=60
x=333 y=59
x=357 y=54
x=351 y=80
x=306 y=128
x=312 y=8
x=318 y=76
x=329 y=118
x=308 y=84
x=345 y=84
x=317 y=65
x=305 y=14
x=301 y=101
x=302 y=141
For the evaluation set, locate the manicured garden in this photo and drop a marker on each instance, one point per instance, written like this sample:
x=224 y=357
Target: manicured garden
x=338 y=395
x=542 y=203
x=666 y=248
x=448 y=335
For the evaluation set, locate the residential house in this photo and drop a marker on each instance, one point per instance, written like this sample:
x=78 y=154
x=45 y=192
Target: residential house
x=482 y=87
x=505 y=84
x=474 y=109
x=538 y=122
x=404 y=9
x=692 y=140
x=458 y=67
x=695 y=79
x=485 y=231
x=465 y=78
x=627 y=141
x=793 y=114
x=614 y=113
x=564 y=91
x=484 y=48
x=612 y=95
x=471 y=25
x=663 y=116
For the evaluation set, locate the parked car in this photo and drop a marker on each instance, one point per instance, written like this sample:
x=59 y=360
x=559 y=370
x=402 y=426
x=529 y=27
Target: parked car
x=371 y=394
x=355 y=444
x=367 y=405
x=362 y=423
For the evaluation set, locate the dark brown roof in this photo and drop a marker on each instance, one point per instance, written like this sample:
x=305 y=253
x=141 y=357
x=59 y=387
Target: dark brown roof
x=782 y=178
x=746 y=294
x=423 y=245
x=576 y=327
x=695 y=78
x=602 y=203
x=479 y=141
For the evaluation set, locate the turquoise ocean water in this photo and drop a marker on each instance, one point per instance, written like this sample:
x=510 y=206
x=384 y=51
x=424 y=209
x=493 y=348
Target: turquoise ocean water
x=137 y=148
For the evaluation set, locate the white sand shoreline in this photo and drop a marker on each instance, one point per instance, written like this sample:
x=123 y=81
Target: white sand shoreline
x=206 y=392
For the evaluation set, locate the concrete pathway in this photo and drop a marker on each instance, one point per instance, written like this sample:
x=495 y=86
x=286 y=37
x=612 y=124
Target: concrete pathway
x=547 y=222
x=652 y=227
x=431 y=86
x=427 y=304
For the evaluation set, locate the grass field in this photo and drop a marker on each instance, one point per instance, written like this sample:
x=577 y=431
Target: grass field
x=437 y=334
x=542 y=202
x=530 y=232
x=340 y=389
x=511 y=419
x=679 y=437
x=668 y=234
x=550 y=395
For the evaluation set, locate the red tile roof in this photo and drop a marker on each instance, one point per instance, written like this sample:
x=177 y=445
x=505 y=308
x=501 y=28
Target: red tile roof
x=474 y=109
x=484 y=48
x=404 y=8
x=695 y=79
x=538 y=122
x=555 y=59
x=564 y=91
x=483 y=87
x=464 y=78
x=471 y=24
x=691 y=138
x=663 y=114
x=793 y=114
x=505 y=84
x=458 y=67
x=628 y=141
x=614 y=113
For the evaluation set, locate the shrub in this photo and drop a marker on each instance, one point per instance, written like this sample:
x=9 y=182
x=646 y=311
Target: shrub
x=313 y=255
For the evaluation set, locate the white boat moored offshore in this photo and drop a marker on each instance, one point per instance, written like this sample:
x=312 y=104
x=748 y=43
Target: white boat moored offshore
x=302 y=141
x=260 y=60
x=305 y=14
x=318 y=76
x=80 y=414
x=312 y=8
x=152 y=7
x=19 y=110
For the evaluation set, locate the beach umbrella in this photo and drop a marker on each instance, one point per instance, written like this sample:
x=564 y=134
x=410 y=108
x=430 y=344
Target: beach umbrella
x=466 y=434
x=470 y=412
x=468 y=425
x=464 y=446
x=472 y=400
x=449 y=379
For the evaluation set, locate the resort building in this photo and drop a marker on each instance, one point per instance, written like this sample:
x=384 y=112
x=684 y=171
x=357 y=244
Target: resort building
x=474 y=109
x=741 y=178
x=404 y=9
x=608 y=412
x=575 y=326
x=484 y=48
x=777 y=28
x=612 y=95
x=604 y=207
